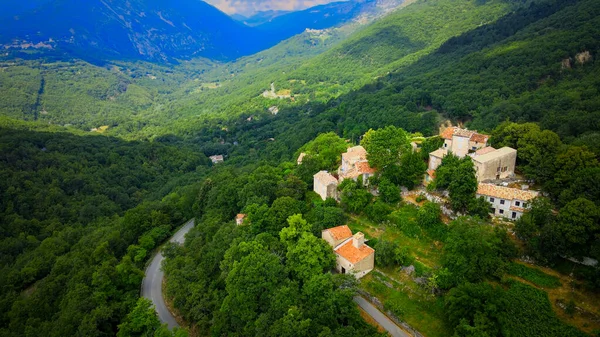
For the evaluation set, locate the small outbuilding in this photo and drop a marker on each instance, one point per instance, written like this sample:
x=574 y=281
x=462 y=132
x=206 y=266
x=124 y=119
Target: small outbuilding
x=353 y=256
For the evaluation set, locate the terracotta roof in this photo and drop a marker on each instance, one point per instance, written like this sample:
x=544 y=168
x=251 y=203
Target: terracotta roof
x=353 y=254
x=507 y=193
x=485 y=150
x=448 y=133
x=364 y=167
x=240 y=216
x=463 y=133
x=325 y=178
x=494 y=154
x=479 y=138
x=431 y=173
x=340 y=232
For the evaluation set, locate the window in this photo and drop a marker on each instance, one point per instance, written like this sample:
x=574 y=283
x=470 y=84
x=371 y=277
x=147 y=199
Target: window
x=514 y=215
x=491 y=199
x=501 y=201
x=501 y=211
x=517 y=203
x=498 y=169
x=445 y=144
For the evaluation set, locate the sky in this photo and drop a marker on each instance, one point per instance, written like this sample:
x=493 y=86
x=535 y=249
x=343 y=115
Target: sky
x=249 y=7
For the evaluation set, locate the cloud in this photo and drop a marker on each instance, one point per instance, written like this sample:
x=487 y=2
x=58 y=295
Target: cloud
x=249 y=7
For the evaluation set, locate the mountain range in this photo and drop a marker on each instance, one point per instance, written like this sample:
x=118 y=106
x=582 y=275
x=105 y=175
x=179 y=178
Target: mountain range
x=159 y=30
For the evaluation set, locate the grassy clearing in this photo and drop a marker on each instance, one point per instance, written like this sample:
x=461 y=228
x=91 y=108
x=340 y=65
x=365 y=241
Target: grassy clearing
x=534 y=276
x=408 y=301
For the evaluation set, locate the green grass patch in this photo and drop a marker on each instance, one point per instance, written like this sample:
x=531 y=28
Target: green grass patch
x=534 y=276
x=411 y=304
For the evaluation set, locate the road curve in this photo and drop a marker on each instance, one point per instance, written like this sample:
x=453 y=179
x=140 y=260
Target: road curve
x=152 y=284
x=380 y=317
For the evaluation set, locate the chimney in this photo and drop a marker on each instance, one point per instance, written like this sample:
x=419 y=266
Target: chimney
x=358 y=240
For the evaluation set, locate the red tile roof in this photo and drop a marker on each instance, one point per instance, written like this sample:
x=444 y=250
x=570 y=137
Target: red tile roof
x=479 y=138
x=340 y=232
x=431 y=173
x=353 y=254
x=364 y=167
x=448 y=133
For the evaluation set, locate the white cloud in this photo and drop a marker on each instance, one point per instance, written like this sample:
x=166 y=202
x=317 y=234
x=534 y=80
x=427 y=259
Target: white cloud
x=249 y=7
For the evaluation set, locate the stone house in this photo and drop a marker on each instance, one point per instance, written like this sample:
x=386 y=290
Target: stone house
x=462 y=141
x=506 y=202
x=216 y=159
x=239 y=219
x=355 y=164
x=325 y=185
x=492 y=164
x=353 y=256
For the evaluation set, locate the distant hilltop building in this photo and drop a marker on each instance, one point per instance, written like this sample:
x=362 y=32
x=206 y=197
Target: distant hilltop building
x=216 y=159
x=355 y=164
x=507 y=202
x=353 y=256
x=489 y=162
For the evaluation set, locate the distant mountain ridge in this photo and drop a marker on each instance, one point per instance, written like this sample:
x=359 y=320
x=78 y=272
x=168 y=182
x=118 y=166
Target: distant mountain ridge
x=154 y=29
x=160 y=30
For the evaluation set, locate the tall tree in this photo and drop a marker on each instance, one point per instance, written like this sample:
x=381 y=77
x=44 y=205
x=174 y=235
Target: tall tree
x=385 y=146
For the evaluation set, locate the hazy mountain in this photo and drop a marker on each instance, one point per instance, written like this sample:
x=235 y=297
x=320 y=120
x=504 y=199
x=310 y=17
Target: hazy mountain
x=153 y=29
x=329 y=15
x=259 y=18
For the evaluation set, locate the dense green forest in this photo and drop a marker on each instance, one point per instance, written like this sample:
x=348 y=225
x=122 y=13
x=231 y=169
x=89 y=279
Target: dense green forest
x=81 y=211
x=80 y=215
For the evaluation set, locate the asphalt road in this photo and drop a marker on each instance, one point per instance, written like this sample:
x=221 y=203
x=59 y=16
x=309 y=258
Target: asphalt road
x=380 y=317
x=152 y=284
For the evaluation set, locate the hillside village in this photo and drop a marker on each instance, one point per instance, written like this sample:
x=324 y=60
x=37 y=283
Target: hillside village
x=494 y=171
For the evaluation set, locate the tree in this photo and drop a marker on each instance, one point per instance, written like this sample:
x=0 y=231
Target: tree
x=463 y=186
x=429 y=145
x=249 y=285
x=579 y=224
x=473 y=309
x=388 y=191
x=445 y=172
x=412 y=169
x=537 y=150
x=385 y=146
x=296 y=227
x=326 y=149
x=310 y=256
x=389 y=253
x=479 y=207
x=354 y=196
x=509 y=133
x=142 y=321
x=474 y=251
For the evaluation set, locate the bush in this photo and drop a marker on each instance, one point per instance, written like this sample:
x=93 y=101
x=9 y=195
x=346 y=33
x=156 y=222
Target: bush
x=534 y=276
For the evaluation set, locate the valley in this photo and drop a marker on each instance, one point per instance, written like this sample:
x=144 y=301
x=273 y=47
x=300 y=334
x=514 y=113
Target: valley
x=128 y=118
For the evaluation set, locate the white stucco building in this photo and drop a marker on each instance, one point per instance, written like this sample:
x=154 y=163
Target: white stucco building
x=507 y=202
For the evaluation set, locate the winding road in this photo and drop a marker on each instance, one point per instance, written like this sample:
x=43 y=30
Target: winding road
x=152 y=284
x=380 y=317
x=152 y=290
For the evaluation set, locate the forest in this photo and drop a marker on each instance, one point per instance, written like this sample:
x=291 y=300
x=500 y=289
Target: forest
x=82 y=211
